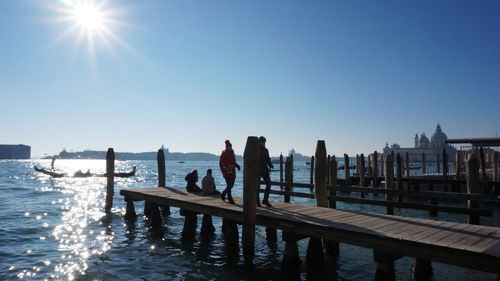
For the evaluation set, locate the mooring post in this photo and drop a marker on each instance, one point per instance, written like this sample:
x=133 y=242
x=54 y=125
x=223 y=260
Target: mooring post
x=457 y=165
x=332 y=247
x=382 y=162
x=423 y=164
x=375 y=170
x=482 y=163
x=110 y=175
x=207 y=226
x=473 y=185
x=160 y=158
x=230 y=231
x=250 y=188
x=399 y=176
x=281 y=172
x=445 y=169
x=315 y=255
x=156 y=220
x=407 y=161
x=389 y=181
x=362 y=179
x=347 y=170
x=288 y=178
x=421 y=270
x=357 y=164
x=495 y=166
x=369 y=166
x=385 y=266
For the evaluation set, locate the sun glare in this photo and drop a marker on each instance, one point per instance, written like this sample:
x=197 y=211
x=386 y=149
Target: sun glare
x=88 y=16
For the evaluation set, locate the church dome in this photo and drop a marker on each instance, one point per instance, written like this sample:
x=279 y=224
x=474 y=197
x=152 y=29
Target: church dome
x=438 y=138
x=424 y=141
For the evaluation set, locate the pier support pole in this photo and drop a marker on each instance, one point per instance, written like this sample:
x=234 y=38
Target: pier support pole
x=291 y=261
x=473 y=185
x=110 y=174
x=190 y=222
x=230 y=231
x=207 y=226
x=385 y=266
x=362 y=171
x=160 y=158
x=250 y=189
x=421 y=270
x=332 y=247
x=375 y=170
x=389 y=181
x=315 y=254
x=156 y=220
x=130 y=214
x=399 y=176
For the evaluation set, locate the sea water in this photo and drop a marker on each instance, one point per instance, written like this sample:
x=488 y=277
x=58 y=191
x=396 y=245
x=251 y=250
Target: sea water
x=56 y=229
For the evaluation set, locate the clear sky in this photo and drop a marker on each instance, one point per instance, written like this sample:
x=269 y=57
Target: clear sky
x=134 y=75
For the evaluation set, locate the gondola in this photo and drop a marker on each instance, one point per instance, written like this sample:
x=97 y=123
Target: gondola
x=80 y=174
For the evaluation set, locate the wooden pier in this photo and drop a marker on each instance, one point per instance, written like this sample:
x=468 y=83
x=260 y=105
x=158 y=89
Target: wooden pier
x=471 y=246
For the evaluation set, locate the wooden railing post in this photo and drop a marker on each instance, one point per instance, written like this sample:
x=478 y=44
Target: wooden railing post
x=160 y=158
x=389 y=181
x=473 y=185
x=362 y=179
x=375 y=170
x=288 y=177
x=250 y=189
x=399 y=175
x=110 y=174
x=347 y=170
x=315 y=254
x=281 y=171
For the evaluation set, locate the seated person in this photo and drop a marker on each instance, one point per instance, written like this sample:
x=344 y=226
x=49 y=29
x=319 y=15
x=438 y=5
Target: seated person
x=191 y=179
x=208 y=184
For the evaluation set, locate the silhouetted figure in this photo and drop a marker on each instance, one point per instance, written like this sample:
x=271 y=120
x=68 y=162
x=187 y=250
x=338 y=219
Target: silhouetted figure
x=208 y=184
x=192 y=179
x=227 y=164
x=264 y=165
x=52 y=164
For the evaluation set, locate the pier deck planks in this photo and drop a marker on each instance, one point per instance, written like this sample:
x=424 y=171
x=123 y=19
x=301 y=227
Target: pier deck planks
x=471 y=246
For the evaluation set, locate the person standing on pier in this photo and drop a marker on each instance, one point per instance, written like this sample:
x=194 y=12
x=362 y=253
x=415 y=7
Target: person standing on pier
x=264 y=165
x=227 y=164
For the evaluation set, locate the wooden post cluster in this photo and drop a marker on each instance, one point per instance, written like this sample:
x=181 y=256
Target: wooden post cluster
x=362 y=180
x=250 y=189
x=473 y=185
x=315 y=255
x=389 y=181
x=110 y=174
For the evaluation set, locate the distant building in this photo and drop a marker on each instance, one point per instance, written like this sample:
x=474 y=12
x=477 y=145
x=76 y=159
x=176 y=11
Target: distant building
x=423 y=145
x=20 y=151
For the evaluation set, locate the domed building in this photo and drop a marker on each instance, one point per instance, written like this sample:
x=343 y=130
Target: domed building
x=423 y=145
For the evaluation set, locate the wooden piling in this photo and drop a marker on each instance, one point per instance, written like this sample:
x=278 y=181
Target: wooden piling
x=445 y=169
x=421 y=270
x=482 y=163
x=291 y=261
x=347 y=170
x=207 y=226
x=230 y=231
x=156 y=220
x=389 y=181
x=423 y=163
x=250 y=189
x=458 y=171
x=110 y=175
x=495 y=166
x=399 y=175
x=281 y=170
x=130 y=214
x=315 y=255
x=375 y=170
x=473 y=185
x=369 y=164
x=385 y=266
x=362 y=171
x=288 y=177
x=332 y=247
x=160 y=158
x=357 y=164
x=382 y=163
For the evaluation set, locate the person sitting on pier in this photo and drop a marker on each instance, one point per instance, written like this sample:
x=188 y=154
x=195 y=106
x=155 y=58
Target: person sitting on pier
x=208 y=184
x=264 y=165
x=227 y=164
x=192 y=179
x=80 y=174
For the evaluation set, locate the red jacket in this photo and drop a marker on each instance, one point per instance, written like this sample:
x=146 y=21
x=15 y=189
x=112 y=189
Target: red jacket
x=227 y=164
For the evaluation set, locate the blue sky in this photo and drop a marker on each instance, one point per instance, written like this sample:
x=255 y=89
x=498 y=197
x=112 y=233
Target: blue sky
x=190 y=74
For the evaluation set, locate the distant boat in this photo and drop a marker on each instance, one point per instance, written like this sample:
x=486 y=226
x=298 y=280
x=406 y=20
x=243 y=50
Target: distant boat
x=181 y=161
x=80 y=174
x=308 y=163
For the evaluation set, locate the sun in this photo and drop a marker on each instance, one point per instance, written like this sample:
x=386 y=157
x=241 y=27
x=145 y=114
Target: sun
x=88 y=16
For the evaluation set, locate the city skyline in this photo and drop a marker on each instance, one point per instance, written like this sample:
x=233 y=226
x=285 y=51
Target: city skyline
x=189 y=75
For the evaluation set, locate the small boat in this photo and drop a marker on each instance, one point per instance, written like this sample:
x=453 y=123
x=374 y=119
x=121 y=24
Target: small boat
x=308 y=163
x=80 y=174
x=181 y=162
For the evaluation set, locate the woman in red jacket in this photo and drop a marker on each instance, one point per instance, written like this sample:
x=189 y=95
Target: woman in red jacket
x=227 y=163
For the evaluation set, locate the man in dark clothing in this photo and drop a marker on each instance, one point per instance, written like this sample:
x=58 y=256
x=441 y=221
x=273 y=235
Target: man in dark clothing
x=264 y=165
x=191 y=179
